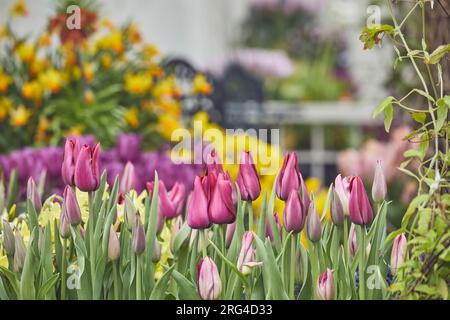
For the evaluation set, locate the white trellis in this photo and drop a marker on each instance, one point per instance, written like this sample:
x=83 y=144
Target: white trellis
x=276 y=114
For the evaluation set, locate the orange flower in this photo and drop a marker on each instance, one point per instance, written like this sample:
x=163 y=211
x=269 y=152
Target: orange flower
x=88 y=71
x=20 y=116
x=32 y=91
x=201 y=86
x=25 y=52
x=44 y=40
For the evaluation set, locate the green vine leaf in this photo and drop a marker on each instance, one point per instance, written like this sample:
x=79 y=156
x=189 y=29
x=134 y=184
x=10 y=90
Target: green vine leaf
x=442 y=112
x=438 y=54
x=388 y=116
x=373 y=34
x=383 y=105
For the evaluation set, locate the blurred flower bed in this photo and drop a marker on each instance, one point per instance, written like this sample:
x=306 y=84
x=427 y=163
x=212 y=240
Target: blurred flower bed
x=317 y=70
x=101 y=79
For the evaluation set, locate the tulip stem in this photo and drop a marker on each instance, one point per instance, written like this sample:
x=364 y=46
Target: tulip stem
x=204 y=242
x=362 y=260
x=250 y=216
x=63 y=270
x=91 y=238
x=116 y=281
x=346 y=253
x=292 y=270
x=138 y=278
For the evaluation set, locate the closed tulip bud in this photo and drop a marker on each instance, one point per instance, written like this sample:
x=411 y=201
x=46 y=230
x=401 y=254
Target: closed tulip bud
x=269 y=232
x=8 y=239
x=359 y=206
x=129 y=179
x=398 y=253
x=337 y=211
x=325 y=286
x=87 y=174
x=304 y=193
x=71 y=149
x=313 y=226
x=197 y=207
x=247 y=179
x=294 y=213
x=64 y=225
x=209 y=285
x=130 y=213
x=177 y=196
x=353 y=244
x=33 y=194
x=113 y=244
x=20 y=252
x=246 y=253
x=175 y=230
x=342 y=188
x=156 y=256
x=288 y=177
x=71 y=206
x=138 y=242
x=221 y=208
x=379 y=187
x=231 y=228
x=166 y=207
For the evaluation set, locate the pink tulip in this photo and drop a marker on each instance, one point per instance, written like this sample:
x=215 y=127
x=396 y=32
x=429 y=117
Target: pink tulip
x=176 y=196
x=379 y=188
x=269 y=232
x=33 y=195
x=214 y=163
x=247 y=179
x=325 y=286
x=337 y=211
x=294 y=213
x=398 y=253
x=113 y=244
x=231 y=228
x=246 y=253
x=289 y=176
x=221 y=208
x=313 y=226
x=359 y=206
x=87 y=175
x=342 y=188
x=197 y=207
x=63 y=225
x=128 y=181
x=209 y=285
x=138 y=236
x=71 y=207
x=71 y=150
x=352 y=244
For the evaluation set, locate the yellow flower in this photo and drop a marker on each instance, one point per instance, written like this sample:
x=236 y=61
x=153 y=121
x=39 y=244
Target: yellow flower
x=201 y=85
x=138 y=84
x=88 y=96
x=165 y=89
x=133 y=33
x=20 y=116
x=112 y=41
x=88 y=71
x=5 y=81
x=19 y=9
x=3 y=31
x=167 y=124
x=75 y=130
x=106 y=61
x=25 y=52
x=44 y=40
x=51 y=80
x=38 y=65
x=5 y=107
x=150 y=50
x=32 y=91
x=131 y=117
x=42 y=128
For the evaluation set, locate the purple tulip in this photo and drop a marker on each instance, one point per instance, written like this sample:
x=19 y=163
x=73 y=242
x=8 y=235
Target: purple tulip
x=294 y=213
x=64 y=225
x=269 y=232
x=359 y=206
x=177 y=196
x=197 y=207
x=247 y=179
x=128 y=146
x=33 y=195
x=337 y=211
x=71 y=151
x=288 y=177
x=398 y=253
x=313 y=226
x=221 y=208
x=138 y=234
x=87 y=175
x=71 y=206
x=209 y=285
x=379 y=188
x=129 y=180
x=325 y=286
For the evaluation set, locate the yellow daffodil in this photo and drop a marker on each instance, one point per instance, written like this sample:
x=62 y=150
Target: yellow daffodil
x=20 y=116
x=167 y=124
x=5 y=81
x=112 y=41
x=201 y=85
x=5 y=107
x=25 y=52
x=32 y=91
x=131 y=117
x=19 y=9
x=138 y=84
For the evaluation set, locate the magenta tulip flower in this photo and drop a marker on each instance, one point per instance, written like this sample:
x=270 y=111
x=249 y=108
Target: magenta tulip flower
x=221 y=208
x=197 y=207
x=313 y=226
x=398 y=253
x=138 y=236
x=359 y=206
x=71 y=150
x=325 y=286
x=63 y=225
x=71 y=206
x=33 y=195
x=352 y=244
x=87 y=175
x=128 y=181
x=209 y=285
x=337 y=211
x=177 y=196
x=289 y=176
x=294 y=213
x=247 y=179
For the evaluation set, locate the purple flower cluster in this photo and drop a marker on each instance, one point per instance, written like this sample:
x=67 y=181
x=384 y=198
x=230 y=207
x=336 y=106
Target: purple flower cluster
x=33 y=161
